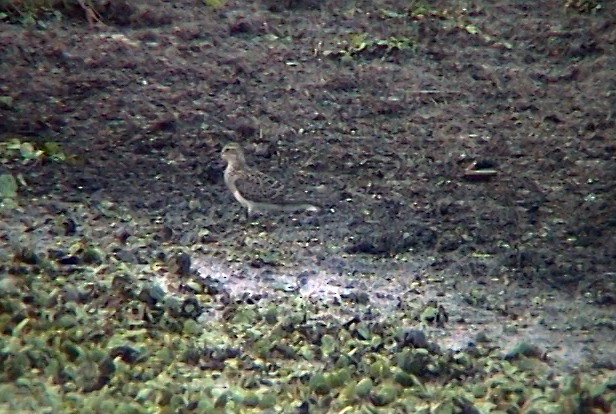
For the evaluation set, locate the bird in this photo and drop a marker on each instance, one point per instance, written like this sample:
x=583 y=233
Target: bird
x=254 y=190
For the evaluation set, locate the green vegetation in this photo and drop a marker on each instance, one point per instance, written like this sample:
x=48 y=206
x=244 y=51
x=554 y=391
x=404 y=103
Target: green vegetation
x=583 y=6
x=34 y=12
x=214 y=3
x=25 y=152
x=362 y=44
x=17 y=152
x=120 y=344
x=28 y=12
x=8 y=187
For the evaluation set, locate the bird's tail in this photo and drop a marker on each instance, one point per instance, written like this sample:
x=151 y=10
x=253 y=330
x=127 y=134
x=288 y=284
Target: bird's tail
x=288 y=207
x=301 y=206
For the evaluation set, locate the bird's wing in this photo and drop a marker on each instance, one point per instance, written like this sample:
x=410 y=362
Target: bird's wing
x=257 y=187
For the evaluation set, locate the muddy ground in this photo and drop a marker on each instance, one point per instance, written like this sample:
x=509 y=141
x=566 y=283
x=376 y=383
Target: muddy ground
x=463 y=153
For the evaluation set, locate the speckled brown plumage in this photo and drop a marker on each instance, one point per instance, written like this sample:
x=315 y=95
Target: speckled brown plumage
x=256 y=191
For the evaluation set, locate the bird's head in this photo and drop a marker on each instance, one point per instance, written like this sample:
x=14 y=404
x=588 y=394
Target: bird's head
x=232 y=153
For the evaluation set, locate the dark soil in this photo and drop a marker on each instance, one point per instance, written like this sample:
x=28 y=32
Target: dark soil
x=465 y=156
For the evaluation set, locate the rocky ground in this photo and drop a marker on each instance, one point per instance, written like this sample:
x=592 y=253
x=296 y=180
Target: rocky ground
x=464 y=260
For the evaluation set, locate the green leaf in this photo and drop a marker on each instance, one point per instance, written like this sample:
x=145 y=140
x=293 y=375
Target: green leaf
x=13 y=144
x=392 y=13
x=8 y=186
x=472 y=29
x=214 y=3
x=5 y=100
x=27 y=150
x=53 y=151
